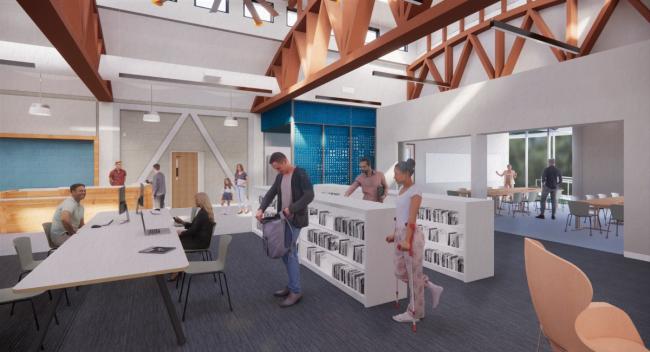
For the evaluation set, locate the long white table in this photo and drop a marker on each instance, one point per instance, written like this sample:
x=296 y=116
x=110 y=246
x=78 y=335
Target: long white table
x=106 y=254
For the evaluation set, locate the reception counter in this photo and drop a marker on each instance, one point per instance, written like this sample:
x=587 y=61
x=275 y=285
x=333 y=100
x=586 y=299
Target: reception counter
x=24 y=210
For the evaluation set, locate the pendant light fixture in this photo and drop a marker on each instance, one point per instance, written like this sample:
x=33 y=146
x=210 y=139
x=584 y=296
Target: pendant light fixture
x=40 y=109
x=231 y=121
x=151 y=116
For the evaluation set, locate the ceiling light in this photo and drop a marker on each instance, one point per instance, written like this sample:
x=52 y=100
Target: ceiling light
x=151 y=116
x=40 y=109
x=17 y=63
x=534 y=36
x=408 y=78
x=231 y=121
x=257 y=91
x=414 y=2
x=347 y=100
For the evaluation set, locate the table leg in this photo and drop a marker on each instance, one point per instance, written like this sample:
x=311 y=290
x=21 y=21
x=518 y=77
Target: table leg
x=49 y=315
x=171 y=310
x=577 y=222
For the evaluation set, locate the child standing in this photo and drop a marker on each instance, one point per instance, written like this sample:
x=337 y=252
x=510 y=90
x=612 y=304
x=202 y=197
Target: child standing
x=226 y=197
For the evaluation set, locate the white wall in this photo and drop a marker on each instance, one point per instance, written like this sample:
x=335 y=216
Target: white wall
x=598 y=159
x=457 y=172
x=574 y=93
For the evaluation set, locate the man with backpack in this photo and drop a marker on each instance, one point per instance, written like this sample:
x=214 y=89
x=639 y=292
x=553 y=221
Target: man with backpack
x=294 y=191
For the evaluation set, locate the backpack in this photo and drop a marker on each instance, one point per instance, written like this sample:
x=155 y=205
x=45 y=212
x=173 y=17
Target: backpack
x=274 y=241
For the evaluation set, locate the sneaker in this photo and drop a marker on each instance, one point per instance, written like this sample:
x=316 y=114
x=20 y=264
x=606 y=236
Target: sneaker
x=292 y=299
x=436 y=292
x=540 y=216
x=281 y=293
x=405 y=317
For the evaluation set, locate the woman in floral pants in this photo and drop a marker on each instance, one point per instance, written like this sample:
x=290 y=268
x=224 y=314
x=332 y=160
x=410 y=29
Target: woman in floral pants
x=409 y=249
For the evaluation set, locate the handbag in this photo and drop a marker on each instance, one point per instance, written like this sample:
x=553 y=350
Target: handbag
x=273 y=236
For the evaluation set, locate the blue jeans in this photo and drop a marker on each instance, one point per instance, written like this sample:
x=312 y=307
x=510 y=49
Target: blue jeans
x=241 y=197
x=291 y=259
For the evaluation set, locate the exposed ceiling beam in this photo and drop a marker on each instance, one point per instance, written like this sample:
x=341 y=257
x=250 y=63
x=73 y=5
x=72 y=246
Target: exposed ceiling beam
x=74 y=29
x=434 y=18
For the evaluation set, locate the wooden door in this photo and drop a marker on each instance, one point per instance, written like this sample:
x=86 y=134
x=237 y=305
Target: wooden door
x=185 y=178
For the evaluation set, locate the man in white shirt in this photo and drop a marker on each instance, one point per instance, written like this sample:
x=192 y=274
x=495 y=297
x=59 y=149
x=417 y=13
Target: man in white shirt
x=69 y=215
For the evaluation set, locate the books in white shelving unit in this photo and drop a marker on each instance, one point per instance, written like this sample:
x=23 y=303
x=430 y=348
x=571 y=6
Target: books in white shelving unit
x=344 y=244
x=443 y=216
x=446 y=260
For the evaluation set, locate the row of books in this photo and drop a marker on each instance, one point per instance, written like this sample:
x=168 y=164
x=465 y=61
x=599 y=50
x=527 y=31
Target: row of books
x=446 y=260
x=315 y=255
x=449 y=217
x=345 y=225
x=333 y=242
x=350 y=276
x=273 y=204
x=450 y=238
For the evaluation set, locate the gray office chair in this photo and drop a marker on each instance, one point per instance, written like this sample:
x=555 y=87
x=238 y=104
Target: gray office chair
x=208 y=267
x=7 y=296
x=23 y=247
x=579 y=210
x=589 y=196
x=614 y=194
x=47 y=228
x=453 y=193
x=531 y=197
x=602 y=195
x=617 y=211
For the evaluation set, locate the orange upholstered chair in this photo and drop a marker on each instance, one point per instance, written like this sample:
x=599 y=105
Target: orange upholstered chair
x=604 y=328
x=559 y=291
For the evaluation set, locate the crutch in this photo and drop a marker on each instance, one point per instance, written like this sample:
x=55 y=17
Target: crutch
x=411 y=306
x=396 y=280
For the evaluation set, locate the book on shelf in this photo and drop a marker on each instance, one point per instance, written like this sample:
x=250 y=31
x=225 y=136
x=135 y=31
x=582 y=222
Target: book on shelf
x=446 y=260
x=350 y=276
x=443 y=216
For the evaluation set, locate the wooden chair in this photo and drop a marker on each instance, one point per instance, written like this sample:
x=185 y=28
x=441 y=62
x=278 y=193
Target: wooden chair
x=559 y=291
x=603 y=327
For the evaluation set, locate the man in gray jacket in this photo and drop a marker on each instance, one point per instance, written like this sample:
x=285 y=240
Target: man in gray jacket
x=158 y=187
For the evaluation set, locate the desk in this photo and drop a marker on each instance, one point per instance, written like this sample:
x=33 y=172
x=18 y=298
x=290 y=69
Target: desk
x=108 y=254
x=603 y=203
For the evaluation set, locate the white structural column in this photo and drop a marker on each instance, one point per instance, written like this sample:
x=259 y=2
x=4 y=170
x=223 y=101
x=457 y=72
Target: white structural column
x=479 y=165
x=637 y=185
x=213 y=147
x=576 y=161
x=256 y=160
x=163 y=146
x=108 y=133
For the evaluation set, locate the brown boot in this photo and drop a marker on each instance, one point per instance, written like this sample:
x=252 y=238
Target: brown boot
x=292 y=299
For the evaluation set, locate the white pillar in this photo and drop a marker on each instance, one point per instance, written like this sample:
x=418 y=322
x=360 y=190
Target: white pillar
x=576 y=161
x=109 y=139
x=479 y=165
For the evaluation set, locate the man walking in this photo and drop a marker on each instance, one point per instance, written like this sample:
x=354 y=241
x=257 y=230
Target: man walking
x=373 y=183
x=158 y=187
x=294 y=191
x=551 y=180
x=117 y=176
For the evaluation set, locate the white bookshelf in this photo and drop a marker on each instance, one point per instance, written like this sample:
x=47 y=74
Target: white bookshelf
x=475 y=227
x=377 y=266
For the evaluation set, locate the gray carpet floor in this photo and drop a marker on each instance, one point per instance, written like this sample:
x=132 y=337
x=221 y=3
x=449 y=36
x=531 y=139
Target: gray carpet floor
x=489 y=315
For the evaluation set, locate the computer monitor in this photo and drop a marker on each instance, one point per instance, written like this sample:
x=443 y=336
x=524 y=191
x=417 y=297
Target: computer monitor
x=122 y=207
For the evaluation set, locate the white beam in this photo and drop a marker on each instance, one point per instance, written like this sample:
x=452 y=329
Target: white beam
x=163 y=146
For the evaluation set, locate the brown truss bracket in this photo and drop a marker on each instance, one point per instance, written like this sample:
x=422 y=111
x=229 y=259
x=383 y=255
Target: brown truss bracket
x=74 y=29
